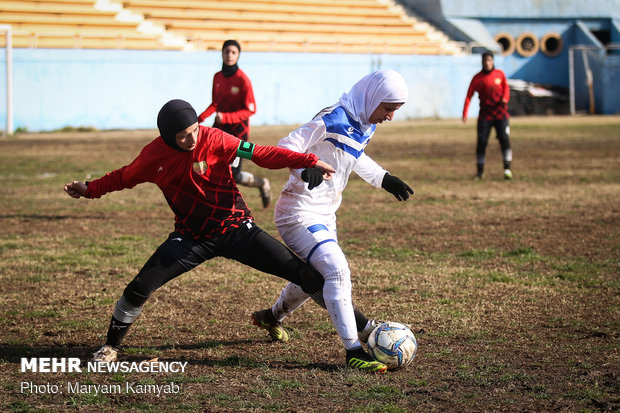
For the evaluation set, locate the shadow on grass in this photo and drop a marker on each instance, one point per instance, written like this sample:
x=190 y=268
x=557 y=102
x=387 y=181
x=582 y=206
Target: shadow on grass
x=38 y=217
x=203 y=345
x=13 y=353
x=52 y=217
x=247 y=362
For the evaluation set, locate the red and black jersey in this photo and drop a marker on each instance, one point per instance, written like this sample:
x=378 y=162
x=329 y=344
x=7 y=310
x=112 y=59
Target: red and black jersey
x=492 y=87
x=233 y=97
x=198 y=185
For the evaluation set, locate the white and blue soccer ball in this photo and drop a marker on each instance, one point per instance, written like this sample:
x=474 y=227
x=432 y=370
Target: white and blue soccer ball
x=393 y=344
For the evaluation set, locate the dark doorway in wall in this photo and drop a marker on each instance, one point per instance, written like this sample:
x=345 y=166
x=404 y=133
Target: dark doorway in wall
x=603 y=36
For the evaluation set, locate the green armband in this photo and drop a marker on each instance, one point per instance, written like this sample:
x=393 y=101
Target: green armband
x=245 y=150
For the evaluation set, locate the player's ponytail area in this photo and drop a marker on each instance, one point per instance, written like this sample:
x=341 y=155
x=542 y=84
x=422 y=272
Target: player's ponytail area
x=510 y=287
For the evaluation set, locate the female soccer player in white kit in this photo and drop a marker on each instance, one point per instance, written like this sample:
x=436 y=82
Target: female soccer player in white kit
x=306 y=219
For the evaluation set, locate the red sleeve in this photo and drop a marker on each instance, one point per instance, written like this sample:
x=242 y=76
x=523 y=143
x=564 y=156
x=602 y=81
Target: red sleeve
x=124 y=178
x=227 y=151
x=249 y=105
x=271 y=157
x=274 y=157
x=211 y=108
x=208 y=112
x=470 y=93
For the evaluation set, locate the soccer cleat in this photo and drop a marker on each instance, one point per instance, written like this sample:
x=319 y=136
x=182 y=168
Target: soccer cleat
x=365 y=333
x=479 y=176
x=359 y=359
x=507 y=174
x=265 y=319
x=105 y=354
x=265 y=192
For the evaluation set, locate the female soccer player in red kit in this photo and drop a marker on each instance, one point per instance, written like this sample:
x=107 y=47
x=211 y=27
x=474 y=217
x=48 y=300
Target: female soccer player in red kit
x=494 y=93
x=191 y=166
x=233 y=104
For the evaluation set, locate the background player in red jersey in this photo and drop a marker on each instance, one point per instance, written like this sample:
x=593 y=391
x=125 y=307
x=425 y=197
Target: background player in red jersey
x=494 y=93
x=233 y=104
x=191 y=165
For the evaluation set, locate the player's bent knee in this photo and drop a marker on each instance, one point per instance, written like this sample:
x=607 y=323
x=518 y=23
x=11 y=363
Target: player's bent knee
x=135 y=295
x=338 y=284
x=329 y=258
x=313 y=281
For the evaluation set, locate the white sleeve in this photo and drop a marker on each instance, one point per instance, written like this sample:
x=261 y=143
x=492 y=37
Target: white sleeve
x=302 y=138
x=369 y=170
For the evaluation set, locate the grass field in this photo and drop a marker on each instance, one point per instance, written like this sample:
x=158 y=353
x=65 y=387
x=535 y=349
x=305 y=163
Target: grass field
x=512 y=288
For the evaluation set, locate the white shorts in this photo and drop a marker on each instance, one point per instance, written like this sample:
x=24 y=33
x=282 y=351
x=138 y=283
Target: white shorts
x=305 y=238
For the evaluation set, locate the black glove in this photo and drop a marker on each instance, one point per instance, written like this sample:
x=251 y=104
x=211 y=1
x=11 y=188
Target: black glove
x=396 y=187
x=313 y=176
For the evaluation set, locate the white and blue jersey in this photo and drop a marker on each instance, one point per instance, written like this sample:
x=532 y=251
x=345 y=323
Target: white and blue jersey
x=306 y=220
x=336 y=138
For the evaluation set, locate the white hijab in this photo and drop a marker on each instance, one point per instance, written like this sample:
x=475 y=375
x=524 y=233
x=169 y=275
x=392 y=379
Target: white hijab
x=381 y=86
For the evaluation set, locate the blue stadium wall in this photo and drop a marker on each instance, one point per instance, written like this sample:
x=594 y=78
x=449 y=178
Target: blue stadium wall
x=554 y=70
x=591 y=23
x=110 y=89
x=116 y=89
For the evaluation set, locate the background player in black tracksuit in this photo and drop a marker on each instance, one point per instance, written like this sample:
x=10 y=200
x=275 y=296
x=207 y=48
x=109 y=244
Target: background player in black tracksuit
x=494 y=94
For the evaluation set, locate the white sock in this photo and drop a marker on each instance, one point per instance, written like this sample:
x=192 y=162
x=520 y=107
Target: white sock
x=340 y=308
x=290 y=299
x=329 y=260
x=247 y=178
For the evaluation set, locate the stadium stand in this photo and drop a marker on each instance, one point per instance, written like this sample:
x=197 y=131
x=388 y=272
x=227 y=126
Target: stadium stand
x=346 y=26
x=78 y=24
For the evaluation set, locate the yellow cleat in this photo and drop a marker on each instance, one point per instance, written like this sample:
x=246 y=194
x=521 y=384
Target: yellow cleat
x=265 y=319
x=359 y=359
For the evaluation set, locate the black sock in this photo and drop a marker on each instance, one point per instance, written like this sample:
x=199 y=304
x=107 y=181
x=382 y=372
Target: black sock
x=360 y=319
x=357 y=352
x=318 y=298
x=480 y=167
x=506 y=165
x=116 y=332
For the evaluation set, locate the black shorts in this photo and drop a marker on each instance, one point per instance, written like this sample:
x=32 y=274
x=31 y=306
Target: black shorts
x=247 y=244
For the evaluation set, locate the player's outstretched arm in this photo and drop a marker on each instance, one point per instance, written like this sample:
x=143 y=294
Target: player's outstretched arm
x=320 y=172
x=326 y=168
x=274 y=157
x=76 y=189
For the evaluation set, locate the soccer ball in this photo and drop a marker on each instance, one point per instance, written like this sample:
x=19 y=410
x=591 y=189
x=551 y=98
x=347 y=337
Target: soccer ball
x=393 y=344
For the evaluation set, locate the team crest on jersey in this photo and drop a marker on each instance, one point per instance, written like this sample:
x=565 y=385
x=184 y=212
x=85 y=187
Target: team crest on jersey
x=234 y=90
x=200 y=167
x=498 y=80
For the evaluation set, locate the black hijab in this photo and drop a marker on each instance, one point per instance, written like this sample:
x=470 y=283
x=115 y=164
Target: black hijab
x=228 y=71
x=485 y=54
x=175 y=116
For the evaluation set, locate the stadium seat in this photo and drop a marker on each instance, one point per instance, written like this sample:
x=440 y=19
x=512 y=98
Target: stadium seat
x=74 y=24
x=345 y=26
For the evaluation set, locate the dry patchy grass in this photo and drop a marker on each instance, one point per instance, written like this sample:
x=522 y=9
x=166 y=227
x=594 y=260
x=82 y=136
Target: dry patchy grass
x=512 y=288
